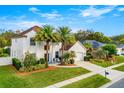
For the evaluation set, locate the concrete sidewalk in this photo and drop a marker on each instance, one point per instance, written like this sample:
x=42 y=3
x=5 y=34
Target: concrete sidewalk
x=69 y=81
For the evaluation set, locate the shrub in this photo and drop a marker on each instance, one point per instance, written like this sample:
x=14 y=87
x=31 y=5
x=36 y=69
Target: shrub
x=87 y=57
x=99 y=54
x=97 y=60
x=66 y=57
x=17 y=63
x=22 y=69
x=29 y=60
x=72 y=61
x=111 y=48
x=41 y=61
x=39 y=66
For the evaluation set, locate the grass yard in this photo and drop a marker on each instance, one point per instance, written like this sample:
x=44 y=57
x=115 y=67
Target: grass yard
x=120 y=59
x=9 y=78
x=120 y=68
x=94 y=81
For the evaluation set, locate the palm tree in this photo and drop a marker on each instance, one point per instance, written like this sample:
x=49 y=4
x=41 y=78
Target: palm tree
x=46 y=34
x=65 y=37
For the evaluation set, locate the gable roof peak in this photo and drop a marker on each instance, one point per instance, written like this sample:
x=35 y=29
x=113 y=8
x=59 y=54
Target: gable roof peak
x=34 y=28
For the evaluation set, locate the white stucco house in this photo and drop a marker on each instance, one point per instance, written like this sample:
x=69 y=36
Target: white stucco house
x=23 y=42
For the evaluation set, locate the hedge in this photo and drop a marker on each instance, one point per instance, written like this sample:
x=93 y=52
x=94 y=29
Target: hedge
x=16 y=63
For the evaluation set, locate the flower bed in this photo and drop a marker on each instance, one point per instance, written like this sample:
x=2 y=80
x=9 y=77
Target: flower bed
x=39 y=70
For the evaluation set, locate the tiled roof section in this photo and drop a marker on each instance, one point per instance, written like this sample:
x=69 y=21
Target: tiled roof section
x=67 y=47
x=35 y=28
x=22 y=34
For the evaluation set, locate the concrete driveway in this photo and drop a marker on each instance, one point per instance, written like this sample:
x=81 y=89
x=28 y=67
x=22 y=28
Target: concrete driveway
x=113 y=74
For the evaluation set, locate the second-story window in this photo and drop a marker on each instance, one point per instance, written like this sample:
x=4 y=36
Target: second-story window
x=32 y=42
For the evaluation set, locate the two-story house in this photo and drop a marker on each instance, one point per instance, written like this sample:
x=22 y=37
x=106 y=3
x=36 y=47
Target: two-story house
x=23 y=42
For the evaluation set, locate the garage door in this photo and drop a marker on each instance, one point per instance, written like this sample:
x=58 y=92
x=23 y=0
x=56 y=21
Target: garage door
x=79 y=57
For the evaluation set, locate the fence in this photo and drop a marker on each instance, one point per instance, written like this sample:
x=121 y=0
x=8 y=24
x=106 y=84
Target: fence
x=5 y=61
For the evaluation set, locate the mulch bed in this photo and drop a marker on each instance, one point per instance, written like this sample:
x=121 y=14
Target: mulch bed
x=40 y=70
x=67 y=65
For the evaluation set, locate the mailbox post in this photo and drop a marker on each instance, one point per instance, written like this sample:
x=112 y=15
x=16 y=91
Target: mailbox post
x=106 y=73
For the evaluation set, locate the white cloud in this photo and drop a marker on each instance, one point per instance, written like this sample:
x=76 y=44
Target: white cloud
x=92 y=20
x=121 y=9
x=21 y=17
x=94 y=12
x=116 y=15
x=52 y=15
x=33 y=9
x=19 y=24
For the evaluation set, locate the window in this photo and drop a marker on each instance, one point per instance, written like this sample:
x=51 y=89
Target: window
x=32 y=42
x=57 y=54
x=45 y=47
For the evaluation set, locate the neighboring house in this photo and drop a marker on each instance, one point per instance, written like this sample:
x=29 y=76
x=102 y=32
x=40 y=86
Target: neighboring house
x=23 y=43
x=120 y=49
x=94 y=43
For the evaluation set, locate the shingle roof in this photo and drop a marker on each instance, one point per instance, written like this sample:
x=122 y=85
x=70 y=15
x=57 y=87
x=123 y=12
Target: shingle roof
x=94 y=43
x=34 y=28
x=22 y=34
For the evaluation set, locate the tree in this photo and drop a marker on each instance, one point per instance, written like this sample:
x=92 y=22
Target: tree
x=46 y=34
x=91 y=35
x=68 y=57
x=65 y=37
x=87 y=45
x=72 y=54
x=111 y=48
x=121 y=40
x=3 y=42
x=99 y=54
x=7 y=35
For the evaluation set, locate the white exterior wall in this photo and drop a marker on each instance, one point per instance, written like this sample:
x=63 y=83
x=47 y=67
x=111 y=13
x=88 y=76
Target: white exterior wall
x=79 y=50
x=53 y=48
x=30 y=48
x=22 y=45
x=17 y=47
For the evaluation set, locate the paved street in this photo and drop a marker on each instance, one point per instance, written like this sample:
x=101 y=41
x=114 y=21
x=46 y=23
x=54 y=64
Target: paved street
x=118 y=84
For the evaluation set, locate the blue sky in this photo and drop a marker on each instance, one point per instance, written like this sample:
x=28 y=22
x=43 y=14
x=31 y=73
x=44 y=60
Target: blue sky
x=106 y=19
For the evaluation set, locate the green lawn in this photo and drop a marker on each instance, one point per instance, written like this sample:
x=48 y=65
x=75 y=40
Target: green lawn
x=9 y=78
x=120 y=68
x=120 y=59
x=94 y=81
